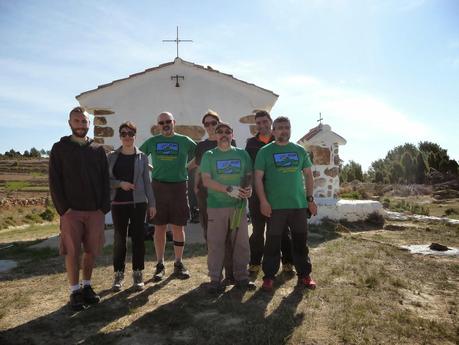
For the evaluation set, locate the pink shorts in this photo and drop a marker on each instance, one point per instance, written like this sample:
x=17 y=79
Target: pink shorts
x=82 y=227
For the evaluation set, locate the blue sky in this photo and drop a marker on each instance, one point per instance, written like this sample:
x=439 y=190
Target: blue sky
x=381 y=72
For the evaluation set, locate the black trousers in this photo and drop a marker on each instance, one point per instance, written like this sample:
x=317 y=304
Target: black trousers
x=257 y=239
x=123 y=215
x=296 y=220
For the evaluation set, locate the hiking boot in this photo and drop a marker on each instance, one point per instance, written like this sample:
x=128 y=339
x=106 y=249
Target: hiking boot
x=137 y=278
x=268 y=284
x=229 y=280
x=160 y=272
x=180 y=270
x=215 y=287
x=307 y=282
x=118 y=281
x=254 y=269
x=245 y=284
x=76 y=300
x=89 y=296
x=287 y=268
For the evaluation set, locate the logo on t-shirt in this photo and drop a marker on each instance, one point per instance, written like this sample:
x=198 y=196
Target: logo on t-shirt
x=286 y=160
x=228 y=166
x=167 y=149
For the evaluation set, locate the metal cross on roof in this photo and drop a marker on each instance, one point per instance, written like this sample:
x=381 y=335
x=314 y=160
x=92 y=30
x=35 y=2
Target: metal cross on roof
x=320 y=119
x=177 y=40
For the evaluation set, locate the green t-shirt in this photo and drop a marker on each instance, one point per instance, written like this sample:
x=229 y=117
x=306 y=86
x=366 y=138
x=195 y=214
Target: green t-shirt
x=283 y=174
x=169 y=156
x=228 y=168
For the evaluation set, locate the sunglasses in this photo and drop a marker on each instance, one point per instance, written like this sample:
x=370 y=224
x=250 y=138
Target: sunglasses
x=210 y=123
x=162 y=123
x=129 y=133
x=227 y=132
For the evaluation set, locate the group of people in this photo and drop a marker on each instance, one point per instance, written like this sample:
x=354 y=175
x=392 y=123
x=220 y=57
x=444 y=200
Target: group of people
x=272 y=173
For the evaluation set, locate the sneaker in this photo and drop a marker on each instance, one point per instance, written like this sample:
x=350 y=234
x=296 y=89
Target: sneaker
x=118 y=281
x=307 y=282
x=287 y=268
x=267 y=284
x=245 y=285
x=137 y=278
x=180 y=270
x=215 y=287
x=76 y=300
x=254 y=269
x=89 y=296
x=160 y=272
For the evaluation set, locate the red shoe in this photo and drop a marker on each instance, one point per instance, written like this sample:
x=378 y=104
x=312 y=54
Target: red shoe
x=307 y=282
x=267 y=284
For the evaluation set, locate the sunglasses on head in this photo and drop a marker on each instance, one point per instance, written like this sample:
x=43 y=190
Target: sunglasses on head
x=210 y=123
x=227 y=132
x=127 y=133
x=162 y=123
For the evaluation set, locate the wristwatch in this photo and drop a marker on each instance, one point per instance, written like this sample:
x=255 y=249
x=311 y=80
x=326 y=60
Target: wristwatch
x=310 y=198
x=229 y=189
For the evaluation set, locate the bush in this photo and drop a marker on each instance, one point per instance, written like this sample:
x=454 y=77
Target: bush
x=355 y=195
x=48 y=214
x=450 y=211
x=402 y=206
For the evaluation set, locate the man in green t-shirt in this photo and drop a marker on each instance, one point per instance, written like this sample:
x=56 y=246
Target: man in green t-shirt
x=286 y=169
x=169 y=154
x=225 y=173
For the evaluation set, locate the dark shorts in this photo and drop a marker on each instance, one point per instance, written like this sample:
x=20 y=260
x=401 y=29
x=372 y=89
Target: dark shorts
x=171 y=203
x=82 y=227
x=296 y=219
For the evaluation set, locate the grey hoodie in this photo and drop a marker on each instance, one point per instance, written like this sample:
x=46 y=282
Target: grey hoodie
x=143 y=191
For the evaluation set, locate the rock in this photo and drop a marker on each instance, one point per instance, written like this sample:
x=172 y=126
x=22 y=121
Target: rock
x=321 y=155
x=103 y=132
x=333 y=172
x=439 y=247
x=103 y=112
x=194 y=132
x=100 y=121
x=316 y=173
x=247 y=119
x=320 y=182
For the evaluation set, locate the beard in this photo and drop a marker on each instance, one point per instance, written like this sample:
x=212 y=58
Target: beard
x=80 y=132
x=283 y=138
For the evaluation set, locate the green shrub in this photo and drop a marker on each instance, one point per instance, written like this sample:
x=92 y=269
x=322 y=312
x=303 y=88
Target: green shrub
x=354 y=195
x=16 y=185
x=405 y=206
x=48 y=214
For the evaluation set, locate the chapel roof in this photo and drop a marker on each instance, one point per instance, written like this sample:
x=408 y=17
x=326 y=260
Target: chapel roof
x=176 y=60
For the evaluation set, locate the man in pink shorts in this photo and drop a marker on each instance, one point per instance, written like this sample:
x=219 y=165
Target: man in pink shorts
x=80 y=189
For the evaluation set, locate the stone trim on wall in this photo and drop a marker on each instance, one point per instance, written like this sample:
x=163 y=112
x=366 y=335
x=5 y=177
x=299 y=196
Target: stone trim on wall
x=105 y=132
x=103 y=112
x=99 y=140
x=100 y=121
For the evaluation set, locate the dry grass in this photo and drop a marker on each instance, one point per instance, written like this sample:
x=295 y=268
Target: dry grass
x=370 y=292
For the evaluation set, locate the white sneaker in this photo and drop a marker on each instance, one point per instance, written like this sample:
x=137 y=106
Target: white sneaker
x=118 y=280
x=137 y=278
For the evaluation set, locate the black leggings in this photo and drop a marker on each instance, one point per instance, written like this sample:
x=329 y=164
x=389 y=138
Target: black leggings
x=122 y=215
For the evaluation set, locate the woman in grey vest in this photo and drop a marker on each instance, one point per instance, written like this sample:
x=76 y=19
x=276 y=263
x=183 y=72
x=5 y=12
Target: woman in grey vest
x=132 y=199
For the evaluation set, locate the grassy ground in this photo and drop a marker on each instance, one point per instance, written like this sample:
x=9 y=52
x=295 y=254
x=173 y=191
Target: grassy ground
x=21 y=216
x=369 y=292
x=29 y=232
